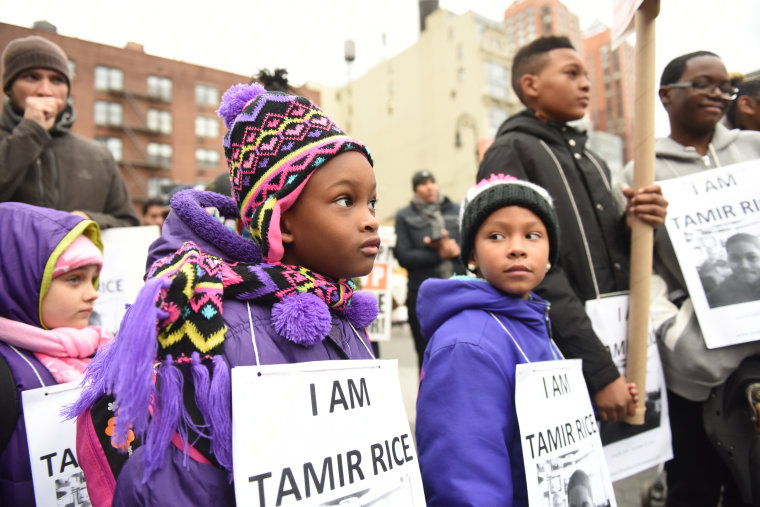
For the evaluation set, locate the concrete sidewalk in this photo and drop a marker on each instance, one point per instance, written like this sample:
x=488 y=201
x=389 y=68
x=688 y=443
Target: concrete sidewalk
x=628 y=492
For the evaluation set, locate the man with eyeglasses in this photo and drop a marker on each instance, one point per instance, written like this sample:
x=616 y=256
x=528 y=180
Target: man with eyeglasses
x=695 y=90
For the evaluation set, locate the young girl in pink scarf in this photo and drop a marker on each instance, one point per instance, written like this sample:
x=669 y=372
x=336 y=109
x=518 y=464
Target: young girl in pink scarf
x=49 y=266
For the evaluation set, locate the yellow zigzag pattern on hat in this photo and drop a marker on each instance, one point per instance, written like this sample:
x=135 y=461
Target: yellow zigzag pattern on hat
x=194 y=295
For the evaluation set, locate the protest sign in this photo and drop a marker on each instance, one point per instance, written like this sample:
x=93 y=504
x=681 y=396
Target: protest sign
x=125 y=250
x=622 y=20
x=707 y=210
x=58 y=479
x=378 y=283
x=629 y=448
x=323 y=433
x=561 y=447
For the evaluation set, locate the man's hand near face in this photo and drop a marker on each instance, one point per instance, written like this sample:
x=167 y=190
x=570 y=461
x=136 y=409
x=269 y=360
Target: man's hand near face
x=42 y=110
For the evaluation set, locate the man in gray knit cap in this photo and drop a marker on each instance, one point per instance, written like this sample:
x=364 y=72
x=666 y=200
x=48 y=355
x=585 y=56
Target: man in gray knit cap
x=41 y=161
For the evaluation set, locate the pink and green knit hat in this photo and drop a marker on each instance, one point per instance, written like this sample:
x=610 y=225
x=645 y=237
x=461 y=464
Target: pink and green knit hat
x=274 y=143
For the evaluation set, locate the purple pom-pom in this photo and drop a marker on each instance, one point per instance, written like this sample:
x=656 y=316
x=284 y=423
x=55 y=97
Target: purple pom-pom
x=235 y=99
x=362 y=310
x=303 y=319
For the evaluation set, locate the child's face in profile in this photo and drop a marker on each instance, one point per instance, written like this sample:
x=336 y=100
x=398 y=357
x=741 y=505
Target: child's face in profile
x=69 y=300
x=744 y=259
x=511 y=250
x=561 y=91
x=331 y=228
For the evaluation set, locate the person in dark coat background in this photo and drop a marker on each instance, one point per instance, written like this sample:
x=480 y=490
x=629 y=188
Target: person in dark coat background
x=427 y=244
x=41 y=162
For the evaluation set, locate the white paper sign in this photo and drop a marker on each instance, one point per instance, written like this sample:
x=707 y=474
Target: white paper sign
x=706 y=210
x=563 y=454
x=378 y=283
x=58 y=480
x=623 y=12
x=629 y=448
x=323 y=433
x=125 y=250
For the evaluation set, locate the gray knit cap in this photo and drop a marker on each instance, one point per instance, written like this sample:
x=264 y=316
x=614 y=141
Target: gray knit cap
x=500 y=191
x=33 y=52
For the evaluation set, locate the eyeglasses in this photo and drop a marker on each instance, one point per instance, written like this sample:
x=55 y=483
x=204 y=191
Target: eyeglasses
x=706 y=86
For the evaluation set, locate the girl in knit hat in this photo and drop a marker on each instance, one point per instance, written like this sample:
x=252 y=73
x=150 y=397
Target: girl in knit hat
x=49 y=269
x=480 y=327
x=263 y=277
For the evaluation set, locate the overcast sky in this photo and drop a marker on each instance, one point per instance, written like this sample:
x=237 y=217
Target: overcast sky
x=307 y=36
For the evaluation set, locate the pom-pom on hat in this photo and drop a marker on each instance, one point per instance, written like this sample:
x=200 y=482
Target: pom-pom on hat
x=500 y=191
x=33 y=52
x=274 y=143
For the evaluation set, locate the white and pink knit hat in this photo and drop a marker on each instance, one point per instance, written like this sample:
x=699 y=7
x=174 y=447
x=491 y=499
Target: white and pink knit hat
x=81 y=252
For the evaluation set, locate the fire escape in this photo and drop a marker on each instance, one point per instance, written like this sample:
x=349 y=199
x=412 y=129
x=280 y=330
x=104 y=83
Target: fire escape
x=140 y=133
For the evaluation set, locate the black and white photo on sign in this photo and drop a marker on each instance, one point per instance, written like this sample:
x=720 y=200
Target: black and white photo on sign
x=630 y=448
x=713 y=223
x=573 y=479
x=730 y=263
x=71 y=491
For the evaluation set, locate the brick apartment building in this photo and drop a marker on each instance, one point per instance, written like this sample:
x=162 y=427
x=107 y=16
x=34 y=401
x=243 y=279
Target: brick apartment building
x=526 y=20
x=155 y=114
x=611 y=72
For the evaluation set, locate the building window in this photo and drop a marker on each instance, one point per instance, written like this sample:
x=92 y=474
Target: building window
x=460 y=51
x=207 y=158
x=72 y=69
x=461 y=74
x=498 y=80
x=160 y=88
x=206 y=126
x=206 y=95
x=108 y=78
x=107 y=114
x=114 y=144
x=160 y=153
x=160 y=121
x=159 y=187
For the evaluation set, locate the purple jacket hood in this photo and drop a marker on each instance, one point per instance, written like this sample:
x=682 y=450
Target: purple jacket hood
x=189 y=219
x=32 y=239
x=439 y=300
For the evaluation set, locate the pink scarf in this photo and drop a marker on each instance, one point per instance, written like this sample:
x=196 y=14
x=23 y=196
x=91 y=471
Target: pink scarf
x=64 y=351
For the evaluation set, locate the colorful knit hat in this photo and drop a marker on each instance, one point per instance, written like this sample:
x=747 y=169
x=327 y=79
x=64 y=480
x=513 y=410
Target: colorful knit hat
x=33 y=52
x=500 y=191
x=81 y=252
x=274 y=144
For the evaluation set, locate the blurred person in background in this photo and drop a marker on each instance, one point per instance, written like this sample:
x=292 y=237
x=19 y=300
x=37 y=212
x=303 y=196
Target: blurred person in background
x=41 y=162
x=427 y=244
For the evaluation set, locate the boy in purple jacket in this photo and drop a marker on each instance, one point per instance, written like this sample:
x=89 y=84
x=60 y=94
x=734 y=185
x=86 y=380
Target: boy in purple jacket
x=480 y=327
